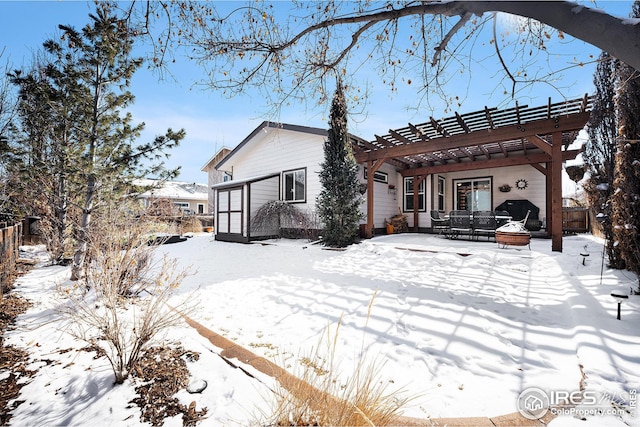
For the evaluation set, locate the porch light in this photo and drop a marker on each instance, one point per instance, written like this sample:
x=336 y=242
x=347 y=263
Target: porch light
x=619 y=297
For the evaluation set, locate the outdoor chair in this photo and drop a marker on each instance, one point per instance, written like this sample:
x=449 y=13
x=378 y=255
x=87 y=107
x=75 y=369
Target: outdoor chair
x=484 y=222
x=440 y=225
x=460 y=223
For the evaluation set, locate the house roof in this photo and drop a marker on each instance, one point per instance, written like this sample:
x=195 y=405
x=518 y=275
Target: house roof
x=216 y=158
x=174 y=190
x=284 y=126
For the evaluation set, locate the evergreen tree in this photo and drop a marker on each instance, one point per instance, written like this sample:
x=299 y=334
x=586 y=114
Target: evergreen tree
x=339 y=200
x=78 y=141
x=599 y=154
x=43 y=157
x=626 y=195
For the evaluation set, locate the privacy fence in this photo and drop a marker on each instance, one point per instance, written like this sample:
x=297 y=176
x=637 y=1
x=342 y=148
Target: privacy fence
x=11 y=239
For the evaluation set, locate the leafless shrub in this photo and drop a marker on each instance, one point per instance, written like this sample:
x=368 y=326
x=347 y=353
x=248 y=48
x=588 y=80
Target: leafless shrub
x=120 y=305
x=191 y=224
x=284 y=219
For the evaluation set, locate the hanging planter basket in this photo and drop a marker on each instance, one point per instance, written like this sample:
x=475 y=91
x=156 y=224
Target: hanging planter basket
x=575 y=172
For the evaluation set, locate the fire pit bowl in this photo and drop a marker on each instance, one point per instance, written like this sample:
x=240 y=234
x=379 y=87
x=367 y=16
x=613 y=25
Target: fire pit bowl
x=507 y=238
x=513 y=233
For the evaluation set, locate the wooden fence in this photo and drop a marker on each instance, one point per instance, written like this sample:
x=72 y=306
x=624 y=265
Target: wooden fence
x=10 y=240
x=575 y=220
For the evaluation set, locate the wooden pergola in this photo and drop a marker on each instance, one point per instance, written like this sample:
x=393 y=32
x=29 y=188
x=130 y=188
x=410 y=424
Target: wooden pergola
x=489 y=138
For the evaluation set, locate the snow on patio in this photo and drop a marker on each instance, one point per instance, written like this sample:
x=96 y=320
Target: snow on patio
x=463 y=326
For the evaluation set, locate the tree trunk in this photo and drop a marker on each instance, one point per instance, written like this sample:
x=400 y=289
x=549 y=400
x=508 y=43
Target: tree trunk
x=83 y=232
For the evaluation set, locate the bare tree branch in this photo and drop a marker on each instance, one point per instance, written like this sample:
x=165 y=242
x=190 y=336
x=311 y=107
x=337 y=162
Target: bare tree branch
x=443 y=45
x=288 y=55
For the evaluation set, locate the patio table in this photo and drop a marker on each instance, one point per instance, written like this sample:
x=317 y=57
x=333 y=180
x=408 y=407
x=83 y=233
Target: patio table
x=467 y=227
x=499 y=218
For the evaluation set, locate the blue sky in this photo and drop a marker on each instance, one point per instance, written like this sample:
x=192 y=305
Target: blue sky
x=212 y=121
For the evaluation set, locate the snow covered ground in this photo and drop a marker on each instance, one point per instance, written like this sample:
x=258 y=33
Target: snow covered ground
x=463 y=326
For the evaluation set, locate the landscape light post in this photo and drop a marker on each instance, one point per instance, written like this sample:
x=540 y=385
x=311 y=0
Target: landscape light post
x=619 y=297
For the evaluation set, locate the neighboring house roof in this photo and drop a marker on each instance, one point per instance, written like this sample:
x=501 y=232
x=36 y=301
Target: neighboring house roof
x=274 y=125
x=216 y=158
x=175 y=190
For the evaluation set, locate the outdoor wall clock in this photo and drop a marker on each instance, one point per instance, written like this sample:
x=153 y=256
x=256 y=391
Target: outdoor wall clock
x=521 y=184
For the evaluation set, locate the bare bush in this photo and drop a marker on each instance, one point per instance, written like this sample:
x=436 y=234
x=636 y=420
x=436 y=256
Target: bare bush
x=120 y=305
x=283 y=219
x=191 y=224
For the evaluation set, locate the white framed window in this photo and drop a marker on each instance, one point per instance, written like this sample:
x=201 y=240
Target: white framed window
x=200 y=208
x=408 y=195
x=440 y=203
x=473 y=194
x=295 y=187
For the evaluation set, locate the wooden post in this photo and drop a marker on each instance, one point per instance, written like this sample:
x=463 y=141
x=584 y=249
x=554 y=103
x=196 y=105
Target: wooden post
x=548 y=181
x=370 y=173
x=556 y=192
x=416 y=206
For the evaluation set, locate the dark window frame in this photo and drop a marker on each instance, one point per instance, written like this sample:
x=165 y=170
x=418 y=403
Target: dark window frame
x=286 y=190
x=378 y=176
x=408 y=195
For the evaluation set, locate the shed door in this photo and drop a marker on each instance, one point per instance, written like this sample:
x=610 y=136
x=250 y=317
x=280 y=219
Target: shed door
x=230 y=211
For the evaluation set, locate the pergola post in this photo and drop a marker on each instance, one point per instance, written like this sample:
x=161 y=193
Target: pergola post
x=370 y=172
x=548 y=196
x=556 y=192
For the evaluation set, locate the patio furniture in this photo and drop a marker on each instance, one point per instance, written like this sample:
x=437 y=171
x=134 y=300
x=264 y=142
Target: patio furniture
x=484 y=222
x=460 y=223
x=441 y=225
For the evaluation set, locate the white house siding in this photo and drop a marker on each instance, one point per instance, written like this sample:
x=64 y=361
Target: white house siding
x=424 y=217
x=384 y=198
x=261 y=192
x=276 y=150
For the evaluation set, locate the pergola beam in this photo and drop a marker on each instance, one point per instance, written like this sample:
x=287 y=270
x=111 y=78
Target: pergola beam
x=573 y=122
x=529 y=159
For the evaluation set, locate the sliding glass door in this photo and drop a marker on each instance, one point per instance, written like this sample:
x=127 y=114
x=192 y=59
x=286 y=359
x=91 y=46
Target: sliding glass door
x=472 y=194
